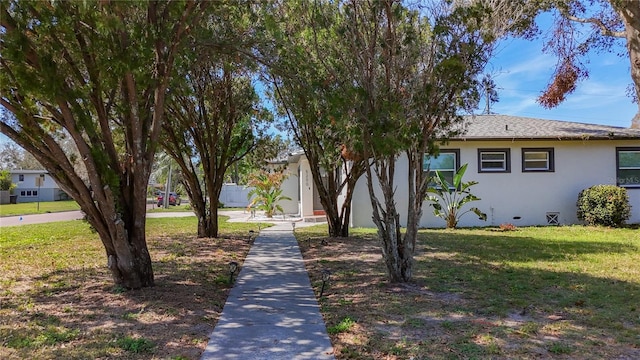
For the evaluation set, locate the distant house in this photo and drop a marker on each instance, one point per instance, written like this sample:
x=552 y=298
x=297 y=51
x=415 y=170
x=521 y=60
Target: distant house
x=529 y=171
x=36 y=185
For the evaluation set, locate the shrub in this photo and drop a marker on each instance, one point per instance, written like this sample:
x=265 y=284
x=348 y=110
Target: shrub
x=5 y=181
x=508 y=227
x=449 y=199
x=606 y=205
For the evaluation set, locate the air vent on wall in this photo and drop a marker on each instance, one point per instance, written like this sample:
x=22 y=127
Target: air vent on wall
x=553 y=218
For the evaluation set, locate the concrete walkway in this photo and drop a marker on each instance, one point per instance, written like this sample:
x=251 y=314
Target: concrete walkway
x=271 y=312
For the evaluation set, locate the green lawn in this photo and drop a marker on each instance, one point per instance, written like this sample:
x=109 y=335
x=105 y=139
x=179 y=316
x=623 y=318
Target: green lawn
x=58 y=301
x=537 y=292
x=34 y=208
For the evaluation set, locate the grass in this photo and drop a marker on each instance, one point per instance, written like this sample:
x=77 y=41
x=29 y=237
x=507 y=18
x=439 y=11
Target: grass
x=537 y=292
x=57 y=299
x=172 y=208
x=32 y=208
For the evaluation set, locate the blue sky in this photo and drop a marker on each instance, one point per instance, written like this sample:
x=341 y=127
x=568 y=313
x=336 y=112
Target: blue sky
x=521 y=71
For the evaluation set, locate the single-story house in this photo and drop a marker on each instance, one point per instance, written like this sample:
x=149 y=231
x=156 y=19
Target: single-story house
x=529 y=171
x=36 y=185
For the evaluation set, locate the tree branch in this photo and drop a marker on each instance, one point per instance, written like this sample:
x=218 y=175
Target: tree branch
x=604 y=30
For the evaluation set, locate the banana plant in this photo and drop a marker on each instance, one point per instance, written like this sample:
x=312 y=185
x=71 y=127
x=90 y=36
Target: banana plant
x=448 y=200
x=266 y=192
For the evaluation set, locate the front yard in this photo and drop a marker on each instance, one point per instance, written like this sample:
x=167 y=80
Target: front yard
x=57 y=300
x=534 y=293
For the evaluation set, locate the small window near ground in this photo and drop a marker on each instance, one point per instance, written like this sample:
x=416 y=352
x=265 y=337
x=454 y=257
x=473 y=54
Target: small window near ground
x=23 y=193
x=537 y=160
x=628 y=167
x=494 y=160
x=446 y=162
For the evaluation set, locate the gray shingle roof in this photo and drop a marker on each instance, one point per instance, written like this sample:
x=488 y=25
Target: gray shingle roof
x=493 y=127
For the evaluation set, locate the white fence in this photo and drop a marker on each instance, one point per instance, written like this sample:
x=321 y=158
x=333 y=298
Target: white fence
x=233 y=195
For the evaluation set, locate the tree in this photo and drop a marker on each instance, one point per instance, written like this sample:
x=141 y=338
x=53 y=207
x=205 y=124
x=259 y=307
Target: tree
x=306 y=84
x=95 y=74
x=267 y=148
x=5 y=181
x=14 y=157
x=609 y=20
x=416 y=71
x=213 y=122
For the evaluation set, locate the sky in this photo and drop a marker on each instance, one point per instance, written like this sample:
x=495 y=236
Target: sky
x=521 y=71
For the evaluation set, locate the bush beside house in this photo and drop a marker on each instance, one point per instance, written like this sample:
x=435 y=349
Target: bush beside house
x=606 y=205
x=6 y=185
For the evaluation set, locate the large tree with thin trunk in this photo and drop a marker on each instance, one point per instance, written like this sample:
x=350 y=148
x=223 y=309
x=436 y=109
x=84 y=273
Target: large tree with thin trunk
x=610 y=21
x=213 y=121
x=95 y=74
x=309 y=78
x=416 y=71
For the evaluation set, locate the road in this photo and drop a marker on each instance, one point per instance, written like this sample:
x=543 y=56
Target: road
x=68 y=215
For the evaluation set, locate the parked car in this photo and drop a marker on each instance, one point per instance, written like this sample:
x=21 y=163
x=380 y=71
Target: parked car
x=174 y=199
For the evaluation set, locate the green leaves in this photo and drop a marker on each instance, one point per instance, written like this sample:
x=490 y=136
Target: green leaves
x=449 y=199
x=266 y=192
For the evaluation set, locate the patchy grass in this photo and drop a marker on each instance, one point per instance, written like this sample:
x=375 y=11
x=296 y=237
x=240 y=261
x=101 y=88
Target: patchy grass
x=533 y=293
x=32 y=208
x=57 y=299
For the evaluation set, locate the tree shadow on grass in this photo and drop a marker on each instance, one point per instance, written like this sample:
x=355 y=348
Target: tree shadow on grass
x=479 y=296
x=175 y=316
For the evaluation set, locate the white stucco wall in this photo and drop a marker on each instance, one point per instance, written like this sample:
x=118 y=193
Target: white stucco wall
x=516 y=197
x=48 y=190
x=290 y=189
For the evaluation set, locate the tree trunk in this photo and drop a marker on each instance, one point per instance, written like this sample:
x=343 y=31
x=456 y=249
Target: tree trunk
x=130 y=263
x=398 y=257
x=629 y=11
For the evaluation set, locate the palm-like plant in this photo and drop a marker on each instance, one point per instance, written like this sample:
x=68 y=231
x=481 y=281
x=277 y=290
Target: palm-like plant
x=266 y=192
x=448 y=199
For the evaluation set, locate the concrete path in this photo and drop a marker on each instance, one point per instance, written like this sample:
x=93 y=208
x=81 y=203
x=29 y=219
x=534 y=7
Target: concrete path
x=271 y=312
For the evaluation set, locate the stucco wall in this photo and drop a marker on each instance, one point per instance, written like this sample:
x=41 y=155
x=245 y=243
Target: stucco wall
x=290 y=189
x=516 y=197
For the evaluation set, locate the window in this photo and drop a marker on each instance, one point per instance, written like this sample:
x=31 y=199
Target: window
x=628 y=167
x=29 y=193
x=538 y=160
x=494 y=160
x=446 y=162
x=20 y=177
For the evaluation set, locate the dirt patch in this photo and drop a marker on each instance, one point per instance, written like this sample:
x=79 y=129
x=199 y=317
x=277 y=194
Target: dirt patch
x=419 y=320
x=76 y=313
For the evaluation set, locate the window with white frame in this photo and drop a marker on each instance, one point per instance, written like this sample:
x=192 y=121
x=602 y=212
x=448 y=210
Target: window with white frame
x=628 y=166
x=538 y=160
x=446 y=162
x=494 y=160
x=29 y=193
x=20 y=177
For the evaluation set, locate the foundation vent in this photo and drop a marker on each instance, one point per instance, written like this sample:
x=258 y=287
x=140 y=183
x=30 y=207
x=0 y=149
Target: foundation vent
x=553 y=218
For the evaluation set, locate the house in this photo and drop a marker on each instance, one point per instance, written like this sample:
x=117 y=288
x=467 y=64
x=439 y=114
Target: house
x=36 y=185
x=529 y=171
